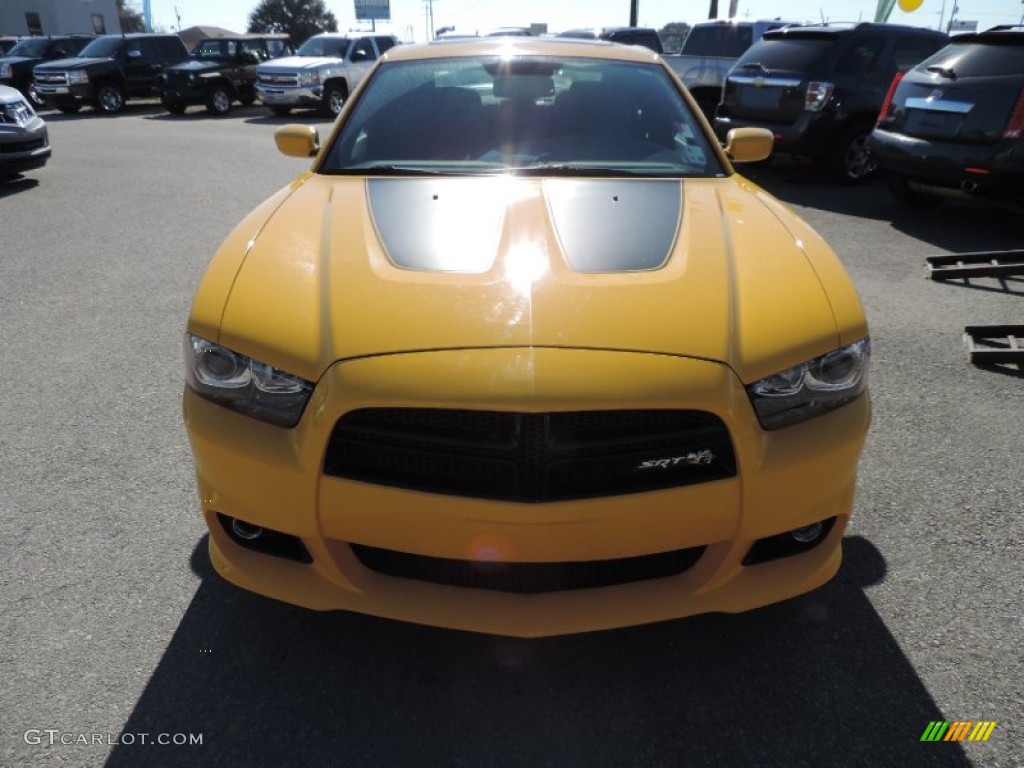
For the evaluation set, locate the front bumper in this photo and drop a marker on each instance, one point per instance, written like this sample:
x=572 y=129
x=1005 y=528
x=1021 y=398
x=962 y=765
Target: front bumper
x=988 y=169
x=273 y=478
x=23 y=148
x=65 y=95
x=290 y=96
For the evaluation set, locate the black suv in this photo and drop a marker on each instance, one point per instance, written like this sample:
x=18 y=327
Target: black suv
x=16 y=66
x=955 y=123
x=108 y=71
x=222 y=70
x=818 y=88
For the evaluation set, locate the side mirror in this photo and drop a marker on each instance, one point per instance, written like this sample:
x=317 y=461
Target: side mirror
x=359 y=55
x=134 y=53
x=748 y=145
x=297 y=140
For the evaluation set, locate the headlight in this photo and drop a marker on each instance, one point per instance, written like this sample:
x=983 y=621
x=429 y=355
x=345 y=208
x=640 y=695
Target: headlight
x=78 y=76
x=309 y=78
x=812 y=388
x=243 y=384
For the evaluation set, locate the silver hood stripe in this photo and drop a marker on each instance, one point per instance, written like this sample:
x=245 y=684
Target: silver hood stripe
x=455 y=225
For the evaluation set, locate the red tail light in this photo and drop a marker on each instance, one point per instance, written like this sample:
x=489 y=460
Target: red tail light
x=884 y=111
x=1015 y=125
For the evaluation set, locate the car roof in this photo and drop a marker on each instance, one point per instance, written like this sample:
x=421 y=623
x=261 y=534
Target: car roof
x=523 y=46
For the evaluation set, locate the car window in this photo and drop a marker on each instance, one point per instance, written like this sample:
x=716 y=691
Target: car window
x=102 y=47
x=32 y=49
x=65 y=48
x=149 y=48
x=864 y=55
x=171 y=48
x=253 y=46
x=524 y=113
x=363 y=50
x=212 y=49
x=725 y=40
x=277 y=48
x=912 y=50
x=978 y=59
x=788 y=53
x=384 y=43
x=325 y=46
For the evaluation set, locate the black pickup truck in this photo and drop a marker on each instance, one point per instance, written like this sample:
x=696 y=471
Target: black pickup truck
x=16 y=66
x=222 y=70
x=108 y=72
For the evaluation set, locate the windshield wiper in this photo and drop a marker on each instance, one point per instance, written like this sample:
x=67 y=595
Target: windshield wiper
x=944 y=71
x=571 y=169
x=391 y=170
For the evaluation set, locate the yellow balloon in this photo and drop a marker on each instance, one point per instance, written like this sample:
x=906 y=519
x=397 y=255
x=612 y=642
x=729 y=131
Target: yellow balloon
x=910 y=5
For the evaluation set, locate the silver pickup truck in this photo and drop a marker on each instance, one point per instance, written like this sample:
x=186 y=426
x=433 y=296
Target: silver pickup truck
x=322 y=73
x=708 y=53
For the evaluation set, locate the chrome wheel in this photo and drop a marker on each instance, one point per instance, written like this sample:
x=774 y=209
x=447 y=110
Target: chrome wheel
x=110 y=99
x=334 y=100
x=858 y=161
x=219 y=101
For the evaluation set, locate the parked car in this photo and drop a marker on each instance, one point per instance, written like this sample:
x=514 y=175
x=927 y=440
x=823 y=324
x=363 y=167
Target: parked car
x=24 y=141
x=222 y=70
x=16 y=66
x=644 y=36
x=321 y=75
x=955 y=122
x=6 y=43
x=109 y=71
x=818 y=88
x=556 y=370
x=708 y=53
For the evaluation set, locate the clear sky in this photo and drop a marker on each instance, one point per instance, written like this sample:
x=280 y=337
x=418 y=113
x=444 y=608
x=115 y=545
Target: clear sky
x=409 y=17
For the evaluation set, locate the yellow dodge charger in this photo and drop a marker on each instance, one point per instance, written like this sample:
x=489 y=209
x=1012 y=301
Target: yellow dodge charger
x=522 y=354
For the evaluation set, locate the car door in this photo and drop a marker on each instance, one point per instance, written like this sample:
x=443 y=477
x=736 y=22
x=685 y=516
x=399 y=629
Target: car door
x=361 y=57
x=141 y=64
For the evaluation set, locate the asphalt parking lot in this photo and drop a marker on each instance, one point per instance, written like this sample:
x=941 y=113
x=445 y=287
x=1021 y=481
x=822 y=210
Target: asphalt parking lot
x=117 y=632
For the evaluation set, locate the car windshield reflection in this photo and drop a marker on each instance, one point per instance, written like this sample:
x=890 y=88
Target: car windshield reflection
x=530 y=115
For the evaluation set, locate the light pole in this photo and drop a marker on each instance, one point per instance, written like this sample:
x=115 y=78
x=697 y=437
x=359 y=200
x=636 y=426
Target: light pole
x=634 y=11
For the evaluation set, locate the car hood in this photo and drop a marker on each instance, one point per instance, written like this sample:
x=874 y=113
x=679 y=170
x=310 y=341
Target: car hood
x=338 y=268
x=12 y=60
x=76 y=63
x=298 y=62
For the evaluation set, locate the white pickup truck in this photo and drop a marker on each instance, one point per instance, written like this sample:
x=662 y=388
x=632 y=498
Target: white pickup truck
x=322 y=73
x=708 y=53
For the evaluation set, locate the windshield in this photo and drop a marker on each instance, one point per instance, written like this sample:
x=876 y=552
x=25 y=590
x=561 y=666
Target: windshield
x=532 y=115
x=32 y=49
x=215 y=49
x=101 y=48
x=334 y=47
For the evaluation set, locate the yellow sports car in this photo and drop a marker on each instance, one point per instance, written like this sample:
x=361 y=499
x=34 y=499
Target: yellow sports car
x=522 y=354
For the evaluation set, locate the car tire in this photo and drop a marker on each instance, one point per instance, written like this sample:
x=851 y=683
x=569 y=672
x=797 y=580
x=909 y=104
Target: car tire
x=218 y=100
x=70 y=109
x=903 y=192
x=109 y=98
x=281 y=111
x=851 y=162
x=334 y=99
x=175 y=108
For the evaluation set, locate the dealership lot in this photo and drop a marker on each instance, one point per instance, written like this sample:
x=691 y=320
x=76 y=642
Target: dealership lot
x=116 y=625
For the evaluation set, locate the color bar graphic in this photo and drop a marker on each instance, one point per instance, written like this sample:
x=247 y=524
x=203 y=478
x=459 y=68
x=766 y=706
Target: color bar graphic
x=958 y=730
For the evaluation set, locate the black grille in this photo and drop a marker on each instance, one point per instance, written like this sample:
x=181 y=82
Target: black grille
x=530 y=457
x=527 y=578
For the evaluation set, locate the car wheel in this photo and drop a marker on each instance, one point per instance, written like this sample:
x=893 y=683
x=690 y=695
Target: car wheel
x=175 y=108
x=70 y=109
x=110 y=98
x=218 y=100
x=852 y=163
x=281 y=111
x=334 y=99
x=900 y=188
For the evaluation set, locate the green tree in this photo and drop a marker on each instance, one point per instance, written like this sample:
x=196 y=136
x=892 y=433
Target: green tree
x=130 y=19
x=301 y=19
x=673 y=34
